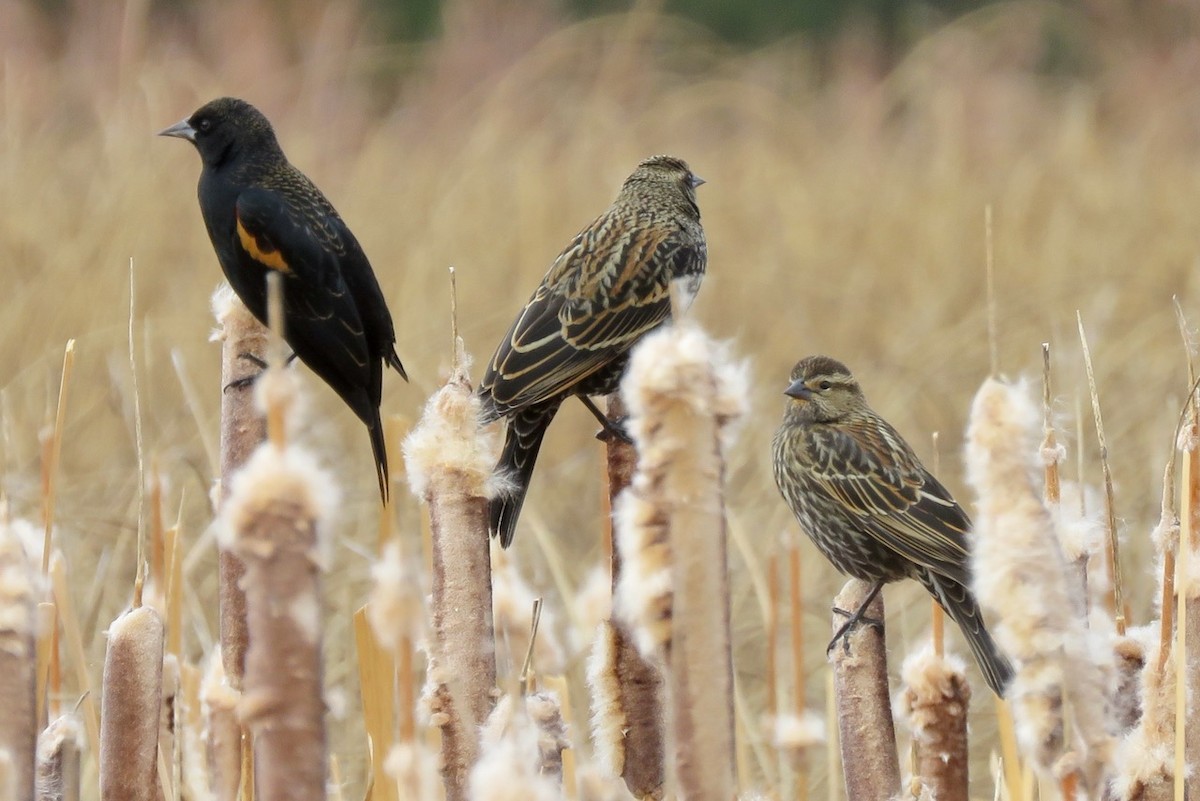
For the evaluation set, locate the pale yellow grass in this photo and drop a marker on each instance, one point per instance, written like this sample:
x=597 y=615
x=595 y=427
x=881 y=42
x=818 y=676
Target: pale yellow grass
x=843 y=217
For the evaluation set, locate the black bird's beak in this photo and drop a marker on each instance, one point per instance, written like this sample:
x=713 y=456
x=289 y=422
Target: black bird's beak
x=798 y=390
x=697 y=180
x=182 y=130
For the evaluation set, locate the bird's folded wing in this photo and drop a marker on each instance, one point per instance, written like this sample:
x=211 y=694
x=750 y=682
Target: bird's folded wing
x=593 y=305
x=323 y=322
x=882 y=483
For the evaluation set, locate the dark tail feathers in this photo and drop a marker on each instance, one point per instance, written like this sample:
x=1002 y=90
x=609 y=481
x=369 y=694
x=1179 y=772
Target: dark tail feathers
x=522 y=441
x=960 y=604
x=379 y=449
x=393 y=360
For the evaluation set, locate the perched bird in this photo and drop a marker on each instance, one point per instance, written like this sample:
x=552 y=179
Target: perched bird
x=263 y=214
x=606 y=290
x=869 y=505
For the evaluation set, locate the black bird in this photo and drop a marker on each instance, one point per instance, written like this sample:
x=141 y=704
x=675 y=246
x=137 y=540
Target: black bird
x=263 y=214
x=602 y=294
x=870 y=506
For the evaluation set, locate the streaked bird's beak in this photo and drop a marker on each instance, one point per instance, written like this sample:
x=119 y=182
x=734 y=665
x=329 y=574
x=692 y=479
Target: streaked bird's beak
x=798 y=390
x=697 y=180
x=181 y=129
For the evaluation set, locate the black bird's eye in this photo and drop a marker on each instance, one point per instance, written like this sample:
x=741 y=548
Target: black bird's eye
x=824 y=385
x=204 y=125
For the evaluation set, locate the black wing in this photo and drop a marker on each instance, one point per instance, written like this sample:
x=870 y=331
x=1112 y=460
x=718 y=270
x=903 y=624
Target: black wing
x=321 y=319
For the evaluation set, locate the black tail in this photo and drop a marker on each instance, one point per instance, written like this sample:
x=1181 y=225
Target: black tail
x=379 y=449
x=960 y=604
x=522 y=440
x=393 y=360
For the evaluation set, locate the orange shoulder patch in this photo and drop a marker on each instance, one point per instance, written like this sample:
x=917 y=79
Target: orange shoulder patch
x=262 y=252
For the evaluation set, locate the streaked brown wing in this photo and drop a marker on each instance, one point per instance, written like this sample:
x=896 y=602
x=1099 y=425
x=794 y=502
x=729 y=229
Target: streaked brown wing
x=877 y=477
x=603 y=293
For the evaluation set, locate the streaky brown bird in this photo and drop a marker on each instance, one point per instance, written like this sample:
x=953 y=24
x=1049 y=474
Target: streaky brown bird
x=264 y=215
x=604 y=292
x=870 y=506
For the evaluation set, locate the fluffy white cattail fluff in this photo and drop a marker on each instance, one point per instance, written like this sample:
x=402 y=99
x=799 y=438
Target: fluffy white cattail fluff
x=540 y=712
x=448 y=446
x=684 y=394
x=510 y=763
x=1145 y=755
x=796 y=733
x=1020 y=580
x=677 y=378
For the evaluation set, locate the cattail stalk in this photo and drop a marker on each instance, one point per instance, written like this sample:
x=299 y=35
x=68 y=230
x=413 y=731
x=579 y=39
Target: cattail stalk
x=243 y=427
x=272 y=522
x=870 y=764
x=20 y=588
x=449 y=462
x=130 y=707
x=934 y=703
x=683 y=394
x=1021 y=584
x=59 y=750
x=244 y=347
x=629 y=722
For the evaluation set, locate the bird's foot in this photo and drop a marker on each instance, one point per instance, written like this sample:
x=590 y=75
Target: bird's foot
x=855 y=618
x=612 y=429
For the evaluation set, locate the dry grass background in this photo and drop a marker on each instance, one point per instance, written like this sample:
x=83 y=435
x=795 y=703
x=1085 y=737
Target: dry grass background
x=844 y=211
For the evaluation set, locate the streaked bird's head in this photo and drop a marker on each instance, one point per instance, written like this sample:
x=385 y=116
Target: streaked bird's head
x=662 y=178
x=224 y=128
x=822 y=390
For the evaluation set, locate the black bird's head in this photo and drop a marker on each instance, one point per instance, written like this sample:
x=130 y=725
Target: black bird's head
x=822 y=390
x=224 y=128
x=663 y=179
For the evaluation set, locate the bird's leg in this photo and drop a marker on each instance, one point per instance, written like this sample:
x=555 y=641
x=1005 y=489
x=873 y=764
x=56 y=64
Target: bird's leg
x=245 y=381
x=611 y=428
x=859 y=616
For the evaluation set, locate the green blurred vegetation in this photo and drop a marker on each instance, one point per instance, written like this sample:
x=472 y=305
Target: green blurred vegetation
x=756 y=22
x=749 y=22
